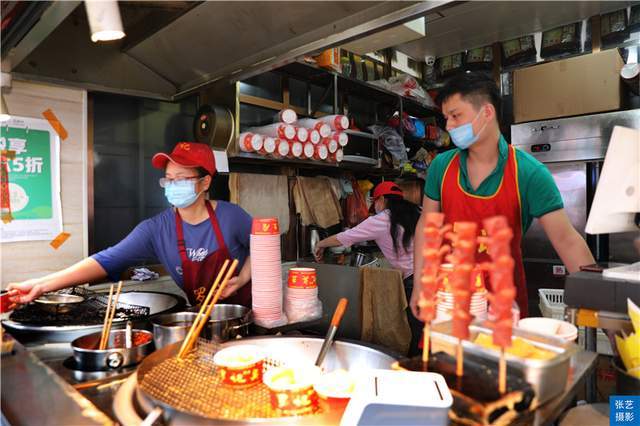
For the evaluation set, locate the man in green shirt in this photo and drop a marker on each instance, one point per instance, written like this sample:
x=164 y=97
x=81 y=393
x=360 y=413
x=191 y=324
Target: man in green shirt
x=486 y=177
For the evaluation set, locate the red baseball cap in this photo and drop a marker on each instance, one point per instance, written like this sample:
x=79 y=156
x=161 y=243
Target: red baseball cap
x=187 y=154
x=387 y=188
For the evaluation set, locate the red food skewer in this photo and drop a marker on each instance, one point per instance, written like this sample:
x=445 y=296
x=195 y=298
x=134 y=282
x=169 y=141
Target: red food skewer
x=464 y=239
x=433 y=251
x=502 y=286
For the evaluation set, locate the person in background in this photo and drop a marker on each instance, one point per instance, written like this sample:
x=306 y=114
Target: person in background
x=486 y=177
x=192 y=239
x=392 y=228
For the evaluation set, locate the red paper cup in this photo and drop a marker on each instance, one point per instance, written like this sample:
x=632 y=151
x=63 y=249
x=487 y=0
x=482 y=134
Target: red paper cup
x=288 y=116
x=250 y=142
x=337 y=122
x=337 y=156
x=341 y=137
x=324 y=129
x=314 y=137
x=296 y=149
x=286 y=131
x=302 y=134
x=332 y=145
x=269 y=146
x=302 y=278
x=321 y=152
x=308 y=150
x=283 y=148
x=265 y=226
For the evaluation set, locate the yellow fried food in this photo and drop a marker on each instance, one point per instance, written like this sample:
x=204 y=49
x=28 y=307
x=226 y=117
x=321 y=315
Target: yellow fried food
x=519 y=347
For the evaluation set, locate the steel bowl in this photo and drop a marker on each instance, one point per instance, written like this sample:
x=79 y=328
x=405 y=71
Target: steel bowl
x=115 y=356
x=227 y=322
x=58 y=303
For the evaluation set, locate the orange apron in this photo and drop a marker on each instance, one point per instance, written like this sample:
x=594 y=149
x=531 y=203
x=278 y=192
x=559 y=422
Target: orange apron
x=458 y=205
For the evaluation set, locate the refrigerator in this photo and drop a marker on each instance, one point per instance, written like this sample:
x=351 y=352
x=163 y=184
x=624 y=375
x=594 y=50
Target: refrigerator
x=573 y=150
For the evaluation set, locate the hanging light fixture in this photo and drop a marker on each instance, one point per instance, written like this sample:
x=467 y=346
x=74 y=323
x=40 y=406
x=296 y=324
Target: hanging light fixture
x=104 y=20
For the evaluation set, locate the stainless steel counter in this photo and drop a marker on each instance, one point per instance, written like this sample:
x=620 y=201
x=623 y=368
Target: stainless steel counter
x=32 y=394
x=37 y=394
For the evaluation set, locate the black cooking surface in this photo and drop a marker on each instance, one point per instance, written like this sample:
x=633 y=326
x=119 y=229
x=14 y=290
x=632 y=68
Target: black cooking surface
x=89 y=312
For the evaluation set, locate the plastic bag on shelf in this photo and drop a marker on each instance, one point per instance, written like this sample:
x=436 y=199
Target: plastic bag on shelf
x=392 y=142
x=407 y=85
x=356 y=207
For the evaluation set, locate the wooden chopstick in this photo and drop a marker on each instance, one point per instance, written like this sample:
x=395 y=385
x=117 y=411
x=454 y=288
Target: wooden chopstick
x=194 y=326
x=207 y=314
x=200 y=318
x=106 y=317
x=114 y=307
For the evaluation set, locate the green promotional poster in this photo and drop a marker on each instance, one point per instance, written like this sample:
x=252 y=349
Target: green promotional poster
x=30 y=158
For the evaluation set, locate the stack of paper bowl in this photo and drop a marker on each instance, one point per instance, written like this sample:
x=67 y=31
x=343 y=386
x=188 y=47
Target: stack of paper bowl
x=266 y=273
x=301 y=302
x=446 y=303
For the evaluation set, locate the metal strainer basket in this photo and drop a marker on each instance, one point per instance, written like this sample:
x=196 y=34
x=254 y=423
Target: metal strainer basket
x=191 y=386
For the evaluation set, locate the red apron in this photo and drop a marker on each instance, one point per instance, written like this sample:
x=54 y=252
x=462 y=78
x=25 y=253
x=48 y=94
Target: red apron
x=458 y=205
x=197 y=277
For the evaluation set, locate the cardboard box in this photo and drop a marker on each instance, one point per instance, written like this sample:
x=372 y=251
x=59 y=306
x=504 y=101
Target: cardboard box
x=575 y=86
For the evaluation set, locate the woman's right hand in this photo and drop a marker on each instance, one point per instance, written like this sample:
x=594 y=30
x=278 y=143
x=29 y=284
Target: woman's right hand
x=25 y=292
x=318 y=253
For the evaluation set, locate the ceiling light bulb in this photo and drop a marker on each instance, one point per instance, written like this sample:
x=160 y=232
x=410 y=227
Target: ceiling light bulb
x=104 y=20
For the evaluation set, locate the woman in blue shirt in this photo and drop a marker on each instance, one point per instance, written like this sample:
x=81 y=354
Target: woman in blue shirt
x=191 y=240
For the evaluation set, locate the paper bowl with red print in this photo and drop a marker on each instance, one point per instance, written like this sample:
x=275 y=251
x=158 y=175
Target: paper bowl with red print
x=302 y=278
x=265 y=226
x=240 y=366
x=291 y=389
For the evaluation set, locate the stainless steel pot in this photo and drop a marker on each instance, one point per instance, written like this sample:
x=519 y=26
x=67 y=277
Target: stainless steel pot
x=362 y=259
x=115 y=356
x=227 y=322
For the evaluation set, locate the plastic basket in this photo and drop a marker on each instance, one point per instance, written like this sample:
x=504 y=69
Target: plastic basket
x=552 y=303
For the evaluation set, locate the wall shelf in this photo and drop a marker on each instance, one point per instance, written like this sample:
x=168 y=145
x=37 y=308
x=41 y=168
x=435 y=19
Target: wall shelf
x=356 y=87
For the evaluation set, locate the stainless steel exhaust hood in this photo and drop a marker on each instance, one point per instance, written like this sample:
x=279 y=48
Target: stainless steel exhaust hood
x=174 y=48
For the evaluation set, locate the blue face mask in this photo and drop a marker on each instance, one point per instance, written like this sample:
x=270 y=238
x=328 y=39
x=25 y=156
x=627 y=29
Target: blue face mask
x=463 y=136
x=181 y=194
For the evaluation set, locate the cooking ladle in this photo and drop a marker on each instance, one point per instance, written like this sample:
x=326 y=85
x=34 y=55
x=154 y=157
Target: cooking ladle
x=333 y=328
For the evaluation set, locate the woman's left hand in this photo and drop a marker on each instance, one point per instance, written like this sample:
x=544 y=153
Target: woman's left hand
x=234 y=284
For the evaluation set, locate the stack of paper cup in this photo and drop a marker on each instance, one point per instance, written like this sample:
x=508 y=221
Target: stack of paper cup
x=478 y=307
x=266 y=273
x=301 y=301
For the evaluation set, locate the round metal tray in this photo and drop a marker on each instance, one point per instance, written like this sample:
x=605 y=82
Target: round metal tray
x=285 y=350
x=158 y=302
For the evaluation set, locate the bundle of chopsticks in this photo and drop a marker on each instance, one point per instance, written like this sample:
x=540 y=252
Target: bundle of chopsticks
x=109 y=315
x=207 y=307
